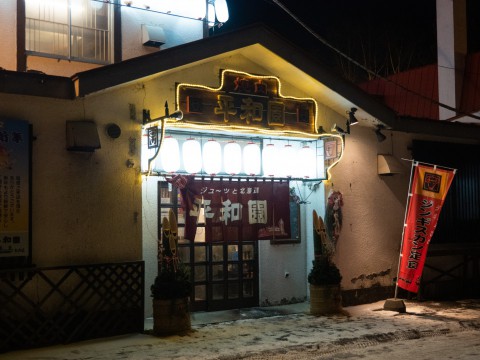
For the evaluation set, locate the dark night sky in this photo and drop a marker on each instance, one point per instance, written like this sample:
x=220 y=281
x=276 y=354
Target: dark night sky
x=368 y=29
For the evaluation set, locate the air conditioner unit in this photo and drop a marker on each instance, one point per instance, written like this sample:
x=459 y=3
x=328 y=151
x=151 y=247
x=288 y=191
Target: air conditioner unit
x=153 y=36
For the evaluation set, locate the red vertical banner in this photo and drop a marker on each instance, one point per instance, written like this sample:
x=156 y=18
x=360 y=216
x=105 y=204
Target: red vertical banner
x=429 y=188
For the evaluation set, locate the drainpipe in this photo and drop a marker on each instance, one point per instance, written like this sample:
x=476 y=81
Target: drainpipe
x=451 y=53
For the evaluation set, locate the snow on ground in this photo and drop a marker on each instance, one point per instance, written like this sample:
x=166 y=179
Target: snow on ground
x=366 y=331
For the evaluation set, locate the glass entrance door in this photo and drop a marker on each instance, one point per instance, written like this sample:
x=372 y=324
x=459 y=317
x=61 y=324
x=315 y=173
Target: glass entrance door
x=224 y=273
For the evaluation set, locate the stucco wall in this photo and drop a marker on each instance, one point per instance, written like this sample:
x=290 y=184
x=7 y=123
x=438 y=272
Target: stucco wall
x=374 y=207
x=85 y=206
x=294 y=259
x=58 y=67
x=373 y=212
x=8 y=29
x=150 y=235
x=177 y=30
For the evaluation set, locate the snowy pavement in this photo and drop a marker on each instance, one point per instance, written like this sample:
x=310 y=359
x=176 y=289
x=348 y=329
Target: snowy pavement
x=436 y=330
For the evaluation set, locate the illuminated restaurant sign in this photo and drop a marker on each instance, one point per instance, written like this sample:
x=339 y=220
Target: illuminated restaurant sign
x=246 y=100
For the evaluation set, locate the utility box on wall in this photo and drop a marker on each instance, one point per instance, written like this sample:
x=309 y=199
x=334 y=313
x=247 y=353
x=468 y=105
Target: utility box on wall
x=82 y=136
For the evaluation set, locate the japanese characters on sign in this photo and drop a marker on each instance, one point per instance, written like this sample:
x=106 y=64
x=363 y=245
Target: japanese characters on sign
x=246 y=100
x=429 y=189
x=14 y=188
x=237 y=210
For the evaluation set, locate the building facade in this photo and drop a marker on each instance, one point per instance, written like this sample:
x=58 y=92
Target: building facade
x=98 y=187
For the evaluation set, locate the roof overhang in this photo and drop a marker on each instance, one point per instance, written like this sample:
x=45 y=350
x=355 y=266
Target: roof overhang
x=259 y=44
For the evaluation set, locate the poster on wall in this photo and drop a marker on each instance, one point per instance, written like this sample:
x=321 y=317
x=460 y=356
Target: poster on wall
x=237 y=210
x=14 y=188
x=429 y=189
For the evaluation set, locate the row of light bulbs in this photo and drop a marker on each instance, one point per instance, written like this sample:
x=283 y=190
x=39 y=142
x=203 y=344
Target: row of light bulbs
x=273 y=160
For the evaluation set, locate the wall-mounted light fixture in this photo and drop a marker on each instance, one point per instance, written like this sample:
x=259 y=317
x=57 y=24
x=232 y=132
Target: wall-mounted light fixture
x=338 y=129
x=177 y=115
x=352 y=120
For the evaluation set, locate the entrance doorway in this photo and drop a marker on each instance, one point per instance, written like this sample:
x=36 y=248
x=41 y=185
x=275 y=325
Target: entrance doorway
x=224 y=273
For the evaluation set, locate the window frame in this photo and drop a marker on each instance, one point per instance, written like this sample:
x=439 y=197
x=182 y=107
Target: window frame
x=109 y=42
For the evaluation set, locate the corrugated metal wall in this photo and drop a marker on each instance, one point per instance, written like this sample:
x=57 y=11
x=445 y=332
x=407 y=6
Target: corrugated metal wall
x=460 y=217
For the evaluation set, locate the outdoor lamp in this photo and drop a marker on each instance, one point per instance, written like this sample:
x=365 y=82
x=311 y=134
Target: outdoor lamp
x=251 y=159
x=192 y=156
x=338 y=129
x=221 y=10
x=232 y=158
x=352 y=120
x=170 y=154
x=212 y=157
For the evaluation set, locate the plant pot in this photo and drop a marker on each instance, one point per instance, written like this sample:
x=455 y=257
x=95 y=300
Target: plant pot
x=325 y=299
x=171 y=316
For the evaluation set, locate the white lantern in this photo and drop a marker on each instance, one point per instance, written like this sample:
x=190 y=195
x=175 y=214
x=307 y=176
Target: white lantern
x=288 y=161
x=232 y=158
x=192 y=156
x=212 y=157
x=251 y=159
x=170 y=154
x=307 y=162
x=269 y=160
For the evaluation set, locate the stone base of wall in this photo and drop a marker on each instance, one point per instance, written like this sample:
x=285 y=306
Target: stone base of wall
x=367 y=295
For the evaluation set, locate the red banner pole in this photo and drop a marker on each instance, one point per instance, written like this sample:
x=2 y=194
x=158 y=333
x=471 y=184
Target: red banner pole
x=409 y=196
x=430 y=187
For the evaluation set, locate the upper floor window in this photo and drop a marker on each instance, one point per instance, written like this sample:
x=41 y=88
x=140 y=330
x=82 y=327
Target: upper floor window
x=79 y=30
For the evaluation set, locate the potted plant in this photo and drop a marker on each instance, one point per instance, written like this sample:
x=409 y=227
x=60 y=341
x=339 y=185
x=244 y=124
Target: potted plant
x=324 y=277
x=172 y=286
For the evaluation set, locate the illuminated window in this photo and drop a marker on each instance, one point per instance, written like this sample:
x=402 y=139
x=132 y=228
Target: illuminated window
x=70 y=29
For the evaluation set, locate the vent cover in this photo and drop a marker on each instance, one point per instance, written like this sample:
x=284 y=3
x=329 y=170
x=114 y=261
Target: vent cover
x=153 y=36
x=82 y=136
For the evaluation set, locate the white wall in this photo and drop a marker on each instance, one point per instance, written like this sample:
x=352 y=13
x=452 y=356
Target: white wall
x=86 y=206
x=296 y=259
x=177 y=31
x=150 y=235
x=373 y=211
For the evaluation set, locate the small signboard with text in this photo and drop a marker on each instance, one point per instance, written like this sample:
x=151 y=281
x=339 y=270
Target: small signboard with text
x=14 y=189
